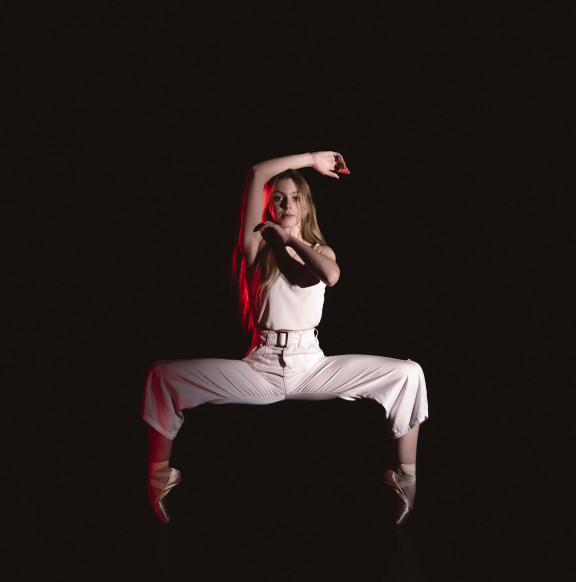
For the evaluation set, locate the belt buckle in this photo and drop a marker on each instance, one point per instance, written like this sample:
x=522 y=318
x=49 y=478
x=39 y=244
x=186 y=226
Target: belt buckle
x=279 y=343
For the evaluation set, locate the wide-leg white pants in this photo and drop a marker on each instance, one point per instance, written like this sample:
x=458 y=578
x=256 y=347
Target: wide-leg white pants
x=270 y=373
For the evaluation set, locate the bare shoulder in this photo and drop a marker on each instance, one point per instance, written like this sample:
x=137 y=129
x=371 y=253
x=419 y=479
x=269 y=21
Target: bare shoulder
x=326 y=252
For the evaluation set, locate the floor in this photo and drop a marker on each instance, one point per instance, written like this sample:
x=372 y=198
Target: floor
x=287 y=492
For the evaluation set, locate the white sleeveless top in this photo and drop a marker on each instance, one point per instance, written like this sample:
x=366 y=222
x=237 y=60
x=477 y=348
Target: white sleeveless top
x=291 y=307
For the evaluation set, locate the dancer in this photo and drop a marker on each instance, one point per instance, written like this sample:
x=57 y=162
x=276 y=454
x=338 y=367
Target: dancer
x=283 y=269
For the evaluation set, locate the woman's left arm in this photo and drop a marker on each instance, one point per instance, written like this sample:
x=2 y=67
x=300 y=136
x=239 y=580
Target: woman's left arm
x=322 y=264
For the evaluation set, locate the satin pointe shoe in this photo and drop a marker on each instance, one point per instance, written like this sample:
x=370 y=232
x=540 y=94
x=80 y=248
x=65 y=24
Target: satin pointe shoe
x=159 y=505
x=403 y=505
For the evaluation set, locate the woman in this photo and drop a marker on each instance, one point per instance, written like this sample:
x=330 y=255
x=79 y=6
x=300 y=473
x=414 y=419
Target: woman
x=285 y=265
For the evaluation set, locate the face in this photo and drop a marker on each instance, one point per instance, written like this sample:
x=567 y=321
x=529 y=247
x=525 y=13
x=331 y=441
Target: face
x=286 y=204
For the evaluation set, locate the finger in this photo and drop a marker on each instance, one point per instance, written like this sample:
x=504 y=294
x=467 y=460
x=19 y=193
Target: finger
x=340 y=164
x=267 y=227
x=342 y=168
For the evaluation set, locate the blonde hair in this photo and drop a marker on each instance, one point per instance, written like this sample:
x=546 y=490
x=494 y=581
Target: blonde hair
x=254 y=286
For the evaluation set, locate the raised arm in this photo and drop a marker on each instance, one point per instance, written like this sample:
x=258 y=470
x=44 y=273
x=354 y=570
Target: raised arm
x=326 y=162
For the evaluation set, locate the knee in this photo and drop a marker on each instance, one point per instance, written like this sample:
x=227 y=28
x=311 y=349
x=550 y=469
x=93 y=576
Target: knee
x=158 y=371
x=411 y=370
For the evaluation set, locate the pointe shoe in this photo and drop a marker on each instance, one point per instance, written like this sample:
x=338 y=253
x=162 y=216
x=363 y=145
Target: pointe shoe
x=158 y=505
x=403 y=505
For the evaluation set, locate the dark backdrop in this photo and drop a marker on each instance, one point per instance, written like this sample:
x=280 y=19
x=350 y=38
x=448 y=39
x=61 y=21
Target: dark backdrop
x=136 y=125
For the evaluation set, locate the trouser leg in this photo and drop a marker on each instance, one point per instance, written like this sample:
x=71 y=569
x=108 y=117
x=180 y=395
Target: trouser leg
x=174 y=386
x=398 y=385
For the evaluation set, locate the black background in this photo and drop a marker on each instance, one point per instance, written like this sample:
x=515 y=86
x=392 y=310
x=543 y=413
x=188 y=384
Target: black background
x=135 y=126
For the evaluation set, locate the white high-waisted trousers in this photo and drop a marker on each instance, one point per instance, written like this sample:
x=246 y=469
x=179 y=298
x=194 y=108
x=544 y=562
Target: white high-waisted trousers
x=270 y=373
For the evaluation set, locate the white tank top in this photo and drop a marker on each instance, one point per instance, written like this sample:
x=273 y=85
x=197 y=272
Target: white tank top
x=291 y=307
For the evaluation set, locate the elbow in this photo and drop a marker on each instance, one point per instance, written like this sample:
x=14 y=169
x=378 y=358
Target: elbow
x=332 y=278
x=255 y=170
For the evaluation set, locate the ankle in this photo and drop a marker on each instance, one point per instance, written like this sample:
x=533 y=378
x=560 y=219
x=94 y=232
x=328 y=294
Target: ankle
x=406 y=473
x=158 y=467
x=158 y=475
x=406 y=469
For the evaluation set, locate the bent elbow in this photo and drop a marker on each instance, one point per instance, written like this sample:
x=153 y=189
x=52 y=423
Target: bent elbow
x=332 y=278
x=255 y=170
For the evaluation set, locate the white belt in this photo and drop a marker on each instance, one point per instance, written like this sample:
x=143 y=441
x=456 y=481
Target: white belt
x=281 y=338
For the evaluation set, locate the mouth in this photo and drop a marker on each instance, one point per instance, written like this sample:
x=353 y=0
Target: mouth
x=288 y=215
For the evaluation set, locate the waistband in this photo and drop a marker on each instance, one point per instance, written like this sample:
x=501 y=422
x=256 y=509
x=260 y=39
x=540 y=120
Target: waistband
x=281 y=338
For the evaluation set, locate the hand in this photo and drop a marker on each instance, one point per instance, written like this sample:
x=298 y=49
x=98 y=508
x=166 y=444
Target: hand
x=273 y=234
x=328 y=163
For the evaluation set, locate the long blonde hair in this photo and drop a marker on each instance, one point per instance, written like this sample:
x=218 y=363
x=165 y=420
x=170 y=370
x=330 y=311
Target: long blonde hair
x=254 y=286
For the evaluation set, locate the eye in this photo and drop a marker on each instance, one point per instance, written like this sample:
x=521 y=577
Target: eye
x=296 y=198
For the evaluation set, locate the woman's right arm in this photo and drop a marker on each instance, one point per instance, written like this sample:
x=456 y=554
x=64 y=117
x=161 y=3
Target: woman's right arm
x=324 y=162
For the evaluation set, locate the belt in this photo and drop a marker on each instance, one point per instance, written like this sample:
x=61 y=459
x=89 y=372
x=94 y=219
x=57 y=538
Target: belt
x=281 y=338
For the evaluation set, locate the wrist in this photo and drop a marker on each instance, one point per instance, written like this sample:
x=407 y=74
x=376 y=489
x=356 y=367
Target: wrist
x=291 y=241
